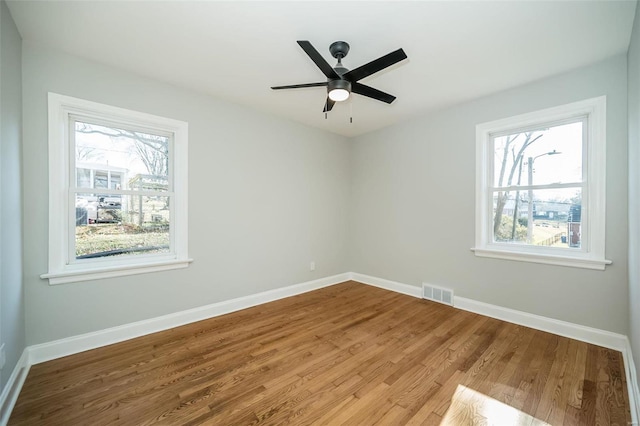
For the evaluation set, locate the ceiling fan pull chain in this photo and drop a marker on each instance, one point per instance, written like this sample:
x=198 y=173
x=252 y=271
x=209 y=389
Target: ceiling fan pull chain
x=325 y=115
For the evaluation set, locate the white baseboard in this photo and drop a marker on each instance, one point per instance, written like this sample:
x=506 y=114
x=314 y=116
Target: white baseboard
x=409 y=290
x=51 y=350
x=594 y=336
x=11 y=390
x=75 y=344
x=632 y=383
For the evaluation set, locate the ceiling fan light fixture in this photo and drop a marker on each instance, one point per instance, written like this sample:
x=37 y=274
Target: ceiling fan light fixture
x=339 y=90
x=338 y=95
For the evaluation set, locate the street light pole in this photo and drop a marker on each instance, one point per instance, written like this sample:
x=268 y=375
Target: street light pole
x=530 y=161
x=530 y=209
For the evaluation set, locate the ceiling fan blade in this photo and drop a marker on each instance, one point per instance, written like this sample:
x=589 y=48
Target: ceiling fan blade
x=375 y=66
x=300 y=86
x=328 y=105
x=370 y=92
x=318 y=59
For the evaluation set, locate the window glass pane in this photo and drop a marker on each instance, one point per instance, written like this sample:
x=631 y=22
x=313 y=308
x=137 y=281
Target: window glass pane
x=122 y=159
x=100 y=179
x=121 y=225
x=83 y=178
x=552 y=219
x=540 y=157
x=115 y=180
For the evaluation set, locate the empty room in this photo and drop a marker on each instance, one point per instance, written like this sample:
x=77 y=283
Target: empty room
x=319 y=212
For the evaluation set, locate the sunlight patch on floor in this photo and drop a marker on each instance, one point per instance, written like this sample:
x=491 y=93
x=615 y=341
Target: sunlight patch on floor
x=469 y=407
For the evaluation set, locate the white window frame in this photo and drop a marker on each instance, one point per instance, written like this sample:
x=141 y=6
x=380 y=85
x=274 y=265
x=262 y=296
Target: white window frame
x=63 y=269
x=591 y=255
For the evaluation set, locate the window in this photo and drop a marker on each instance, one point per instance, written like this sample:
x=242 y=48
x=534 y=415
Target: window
x=117 y=194
x=540 y=186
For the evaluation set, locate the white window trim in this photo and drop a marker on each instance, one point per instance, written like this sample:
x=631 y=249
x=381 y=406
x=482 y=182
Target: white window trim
x=592 y=254
x=61 y=270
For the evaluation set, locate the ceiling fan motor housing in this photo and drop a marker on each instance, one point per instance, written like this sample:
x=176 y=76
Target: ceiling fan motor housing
x=339 y=49
x=339 y=84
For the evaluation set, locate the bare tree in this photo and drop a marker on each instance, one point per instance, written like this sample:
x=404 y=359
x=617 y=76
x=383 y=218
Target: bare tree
x=516 y=201
x=86 y=153
x=514 y=148
x=152 y=149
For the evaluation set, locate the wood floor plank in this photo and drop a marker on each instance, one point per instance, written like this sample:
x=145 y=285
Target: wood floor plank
x=548 y=403
x=484 y=373
x=576 y=378
x=435 y=398
x=587 y=415
x=345 y=354
x=541 y=376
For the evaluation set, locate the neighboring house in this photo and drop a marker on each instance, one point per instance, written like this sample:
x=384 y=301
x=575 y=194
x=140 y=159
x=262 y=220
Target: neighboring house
x=552 y=210
x=509 y=207
x=97 y=175
x=95 y=207
x=574 y=225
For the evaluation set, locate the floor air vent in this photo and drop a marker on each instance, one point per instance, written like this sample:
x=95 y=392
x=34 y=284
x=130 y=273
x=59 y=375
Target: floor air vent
x=437 y=294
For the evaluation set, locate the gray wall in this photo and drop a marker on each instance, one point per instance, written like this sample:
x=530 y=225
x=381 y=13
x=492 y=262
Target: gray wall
x=266 y=196
x=11 y=294
x=413 y=205
x=634 y=189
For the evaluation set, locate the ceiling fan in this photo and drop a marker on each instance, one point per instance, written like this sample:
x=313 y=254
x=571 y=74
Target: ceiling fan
x=340 y=81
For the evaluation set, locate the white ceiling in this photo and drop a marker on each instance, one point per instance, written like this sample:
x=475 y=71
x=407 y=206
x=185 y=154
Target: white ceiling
x=236 y=50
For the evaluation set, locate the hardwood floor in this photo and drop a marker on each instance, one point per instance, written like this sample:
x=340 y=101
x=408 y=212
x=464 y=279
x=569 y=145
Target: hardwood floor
x=349 y=353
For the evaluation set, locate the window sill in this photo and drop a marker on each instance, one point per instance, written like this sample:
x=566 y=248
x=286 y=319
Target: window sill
x=64 y=277
x=575 y=262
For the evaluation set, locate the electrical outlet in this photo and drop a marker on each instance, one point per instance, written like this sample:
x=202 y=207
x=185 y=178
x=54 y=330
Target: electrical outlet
x=312 y=266
x=3 y=356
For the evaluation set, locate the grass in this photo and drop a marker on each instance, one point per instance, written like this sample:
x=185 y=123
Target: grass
x=97 y=238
